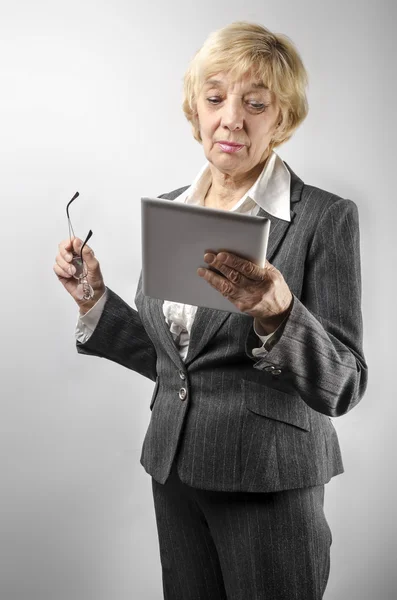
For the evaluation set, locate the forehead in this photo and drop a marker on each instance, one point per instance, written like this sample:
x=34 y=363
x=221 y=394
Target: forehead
x=226 y=80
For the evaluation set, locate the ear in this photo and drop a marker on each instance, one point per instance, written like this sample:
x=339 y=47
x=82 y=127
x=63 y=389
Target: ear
x=277 y=126
x=279 y=119
x=196 y=126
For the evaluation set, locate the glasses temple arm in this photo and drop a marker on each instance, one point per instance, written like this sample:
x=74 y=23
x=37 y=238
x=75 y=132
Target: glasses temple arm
x=85 y=241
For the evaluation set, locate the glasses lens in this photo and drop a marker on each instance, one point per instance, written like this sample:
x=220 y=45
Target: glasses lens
x=80 y=266
x=84 y=291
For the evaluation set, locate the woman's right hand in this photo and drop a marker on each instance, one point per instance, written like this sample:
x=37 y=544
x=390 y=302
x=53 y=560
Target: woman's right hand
x=63 y=269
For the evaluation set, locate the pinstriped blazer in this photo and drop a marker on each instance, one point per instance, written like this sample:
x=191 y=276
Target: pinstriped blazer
x=246 y=424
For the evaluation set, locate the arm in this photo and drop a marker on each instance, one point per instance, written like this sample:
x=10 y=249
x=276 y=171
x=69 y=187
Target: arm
x=107 y=327
x=120 y=336
x=319 y=354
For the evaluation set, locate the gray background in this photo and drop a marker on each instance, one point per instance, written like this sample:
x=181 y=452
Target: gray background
x=91 y=101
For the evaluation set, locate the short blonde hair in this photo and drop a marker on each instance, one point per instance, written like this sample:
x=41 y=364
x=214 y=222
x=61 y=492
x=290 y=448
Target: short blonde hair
x=272 y=58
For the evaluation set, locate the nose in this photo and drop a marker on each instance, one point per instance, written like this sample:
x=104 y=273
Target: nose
x=232 y=114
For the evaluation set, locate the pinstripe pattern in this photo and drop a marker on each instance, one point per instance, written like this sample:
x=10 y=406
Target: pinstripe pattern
x=240 y=427
x=234 y=545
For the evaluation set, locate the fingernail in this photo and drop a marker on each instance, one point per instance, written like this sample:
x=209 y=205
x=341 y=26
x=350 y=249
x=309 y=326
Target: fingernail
x=69 y=256
x=72 y=269
x=209 y=258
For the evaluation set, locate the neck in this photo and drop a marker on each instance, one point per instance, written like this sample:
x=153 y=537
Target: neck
x=227 y=189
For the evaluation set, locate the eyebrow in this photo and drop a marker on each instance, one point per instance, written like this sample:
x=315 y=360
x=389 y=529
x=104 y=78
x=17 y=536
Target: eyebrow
x=257 y=85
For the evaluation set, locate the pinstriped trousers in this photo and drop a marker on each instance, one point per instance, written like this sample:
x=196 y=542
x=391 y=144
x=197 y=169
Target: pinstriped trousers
x=241 y=545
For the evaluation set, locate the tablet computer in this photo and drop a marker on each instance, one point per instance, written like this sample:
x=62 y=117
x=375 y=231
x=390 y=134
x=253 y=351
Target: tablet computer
x=175 y=237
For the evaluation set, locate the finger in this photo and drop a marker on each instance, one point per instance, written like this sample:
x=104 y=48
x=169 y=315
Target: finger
x=59 y=272
x=66 y=249
x=269 y=267
x=243 y=266
x=232 y=275
x=220 y=283
x=65 y=265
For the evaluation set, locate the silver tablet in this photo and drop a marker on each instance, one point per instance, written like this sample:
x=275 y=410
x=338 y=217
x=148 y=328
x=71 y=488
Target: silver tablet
x=175 y=237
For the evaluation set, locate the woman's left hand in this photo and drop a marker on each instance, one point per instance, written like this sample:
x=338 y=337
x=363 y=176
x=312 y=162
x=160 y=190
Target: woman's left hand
x=260 y=293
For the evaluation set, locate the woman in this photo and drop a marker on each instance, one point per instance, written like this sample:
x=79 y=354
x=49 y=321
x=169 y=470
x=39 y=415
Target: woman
x=240 y=443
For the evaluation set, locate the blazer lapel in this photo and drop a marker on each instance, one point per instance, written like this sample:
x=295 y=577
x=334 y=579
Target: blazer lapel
x=205 y=325
x=155 y=308
x=278 y=227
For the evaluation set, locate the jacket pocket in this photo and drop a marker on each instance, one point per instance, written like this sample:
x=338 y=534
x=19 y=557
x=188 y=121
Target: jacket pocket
x=275 y=404
x=156 y=387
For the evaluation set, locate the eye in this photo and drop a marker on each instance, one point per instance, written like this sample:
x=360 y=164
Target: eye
x=257 y=105
x=214 y=100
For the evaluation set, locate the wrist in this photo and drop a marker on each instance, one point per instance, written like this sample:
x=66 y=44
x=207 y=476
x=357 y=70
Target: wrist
x=86 y=305
x=270 y=323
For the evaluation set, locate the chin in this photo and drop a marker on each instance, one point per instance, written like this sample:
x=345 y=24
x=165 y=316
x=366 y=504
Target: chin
x=232 y=159
x=228 y=166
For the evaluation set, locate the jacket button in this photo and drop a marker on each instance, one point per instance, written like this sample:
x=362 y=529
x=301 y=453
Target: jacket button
x=182 y=393
x=276 y=372
x=269 y=368
x=182 y=375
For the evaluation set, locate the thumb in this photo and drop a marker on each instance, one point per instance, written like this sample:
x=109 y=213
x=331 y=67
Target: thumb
x=268 y=266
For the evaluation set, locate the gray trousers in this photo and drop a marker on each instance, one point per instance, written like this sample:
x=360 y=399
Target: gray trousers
x=241 y=545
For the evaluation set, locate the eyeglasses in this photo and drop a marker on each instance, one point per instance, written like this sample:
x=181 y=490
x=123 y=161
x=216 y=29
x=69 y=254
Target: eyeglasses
x=84 y=290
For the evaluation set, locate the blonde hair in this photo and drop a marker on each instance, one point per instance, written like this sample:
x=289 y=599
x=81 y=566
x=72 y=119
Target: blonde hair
x=272 y=58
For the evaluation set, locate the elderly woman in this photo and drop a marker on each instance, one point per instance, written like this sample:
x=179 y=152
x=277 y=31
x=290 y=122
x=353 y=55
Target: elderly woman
x=240 y=441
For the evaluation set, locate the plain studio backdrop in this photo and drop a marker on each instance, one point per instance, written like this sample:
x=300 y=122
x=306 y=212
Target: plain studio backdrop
x=90 y=99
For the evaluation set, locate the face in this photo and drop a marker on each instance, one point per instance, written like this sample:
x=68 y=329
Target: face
x=236 y=121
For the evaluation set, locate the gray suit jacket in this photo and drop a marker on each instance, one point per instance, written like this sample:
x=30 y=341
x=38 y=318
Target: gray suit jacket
x=248 y=424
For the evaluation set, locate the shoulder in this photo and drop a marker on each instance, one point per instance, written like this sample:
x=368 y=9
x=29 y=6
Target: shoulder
x=321 y=204
x=314 y=203
x=174 y=194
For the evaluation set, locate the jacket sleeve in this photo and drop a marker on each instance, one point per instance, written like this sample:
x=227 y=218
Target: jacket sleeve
x=121 y=337
x=319 y=354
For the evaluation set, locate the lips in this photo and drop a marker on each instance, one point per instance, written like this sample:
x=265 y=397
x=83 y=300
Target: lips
x=230 y=147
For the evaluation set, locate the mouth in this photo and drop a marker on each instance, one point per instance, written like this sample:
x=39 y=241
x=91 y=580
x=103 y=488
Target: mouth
x=230 y=147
